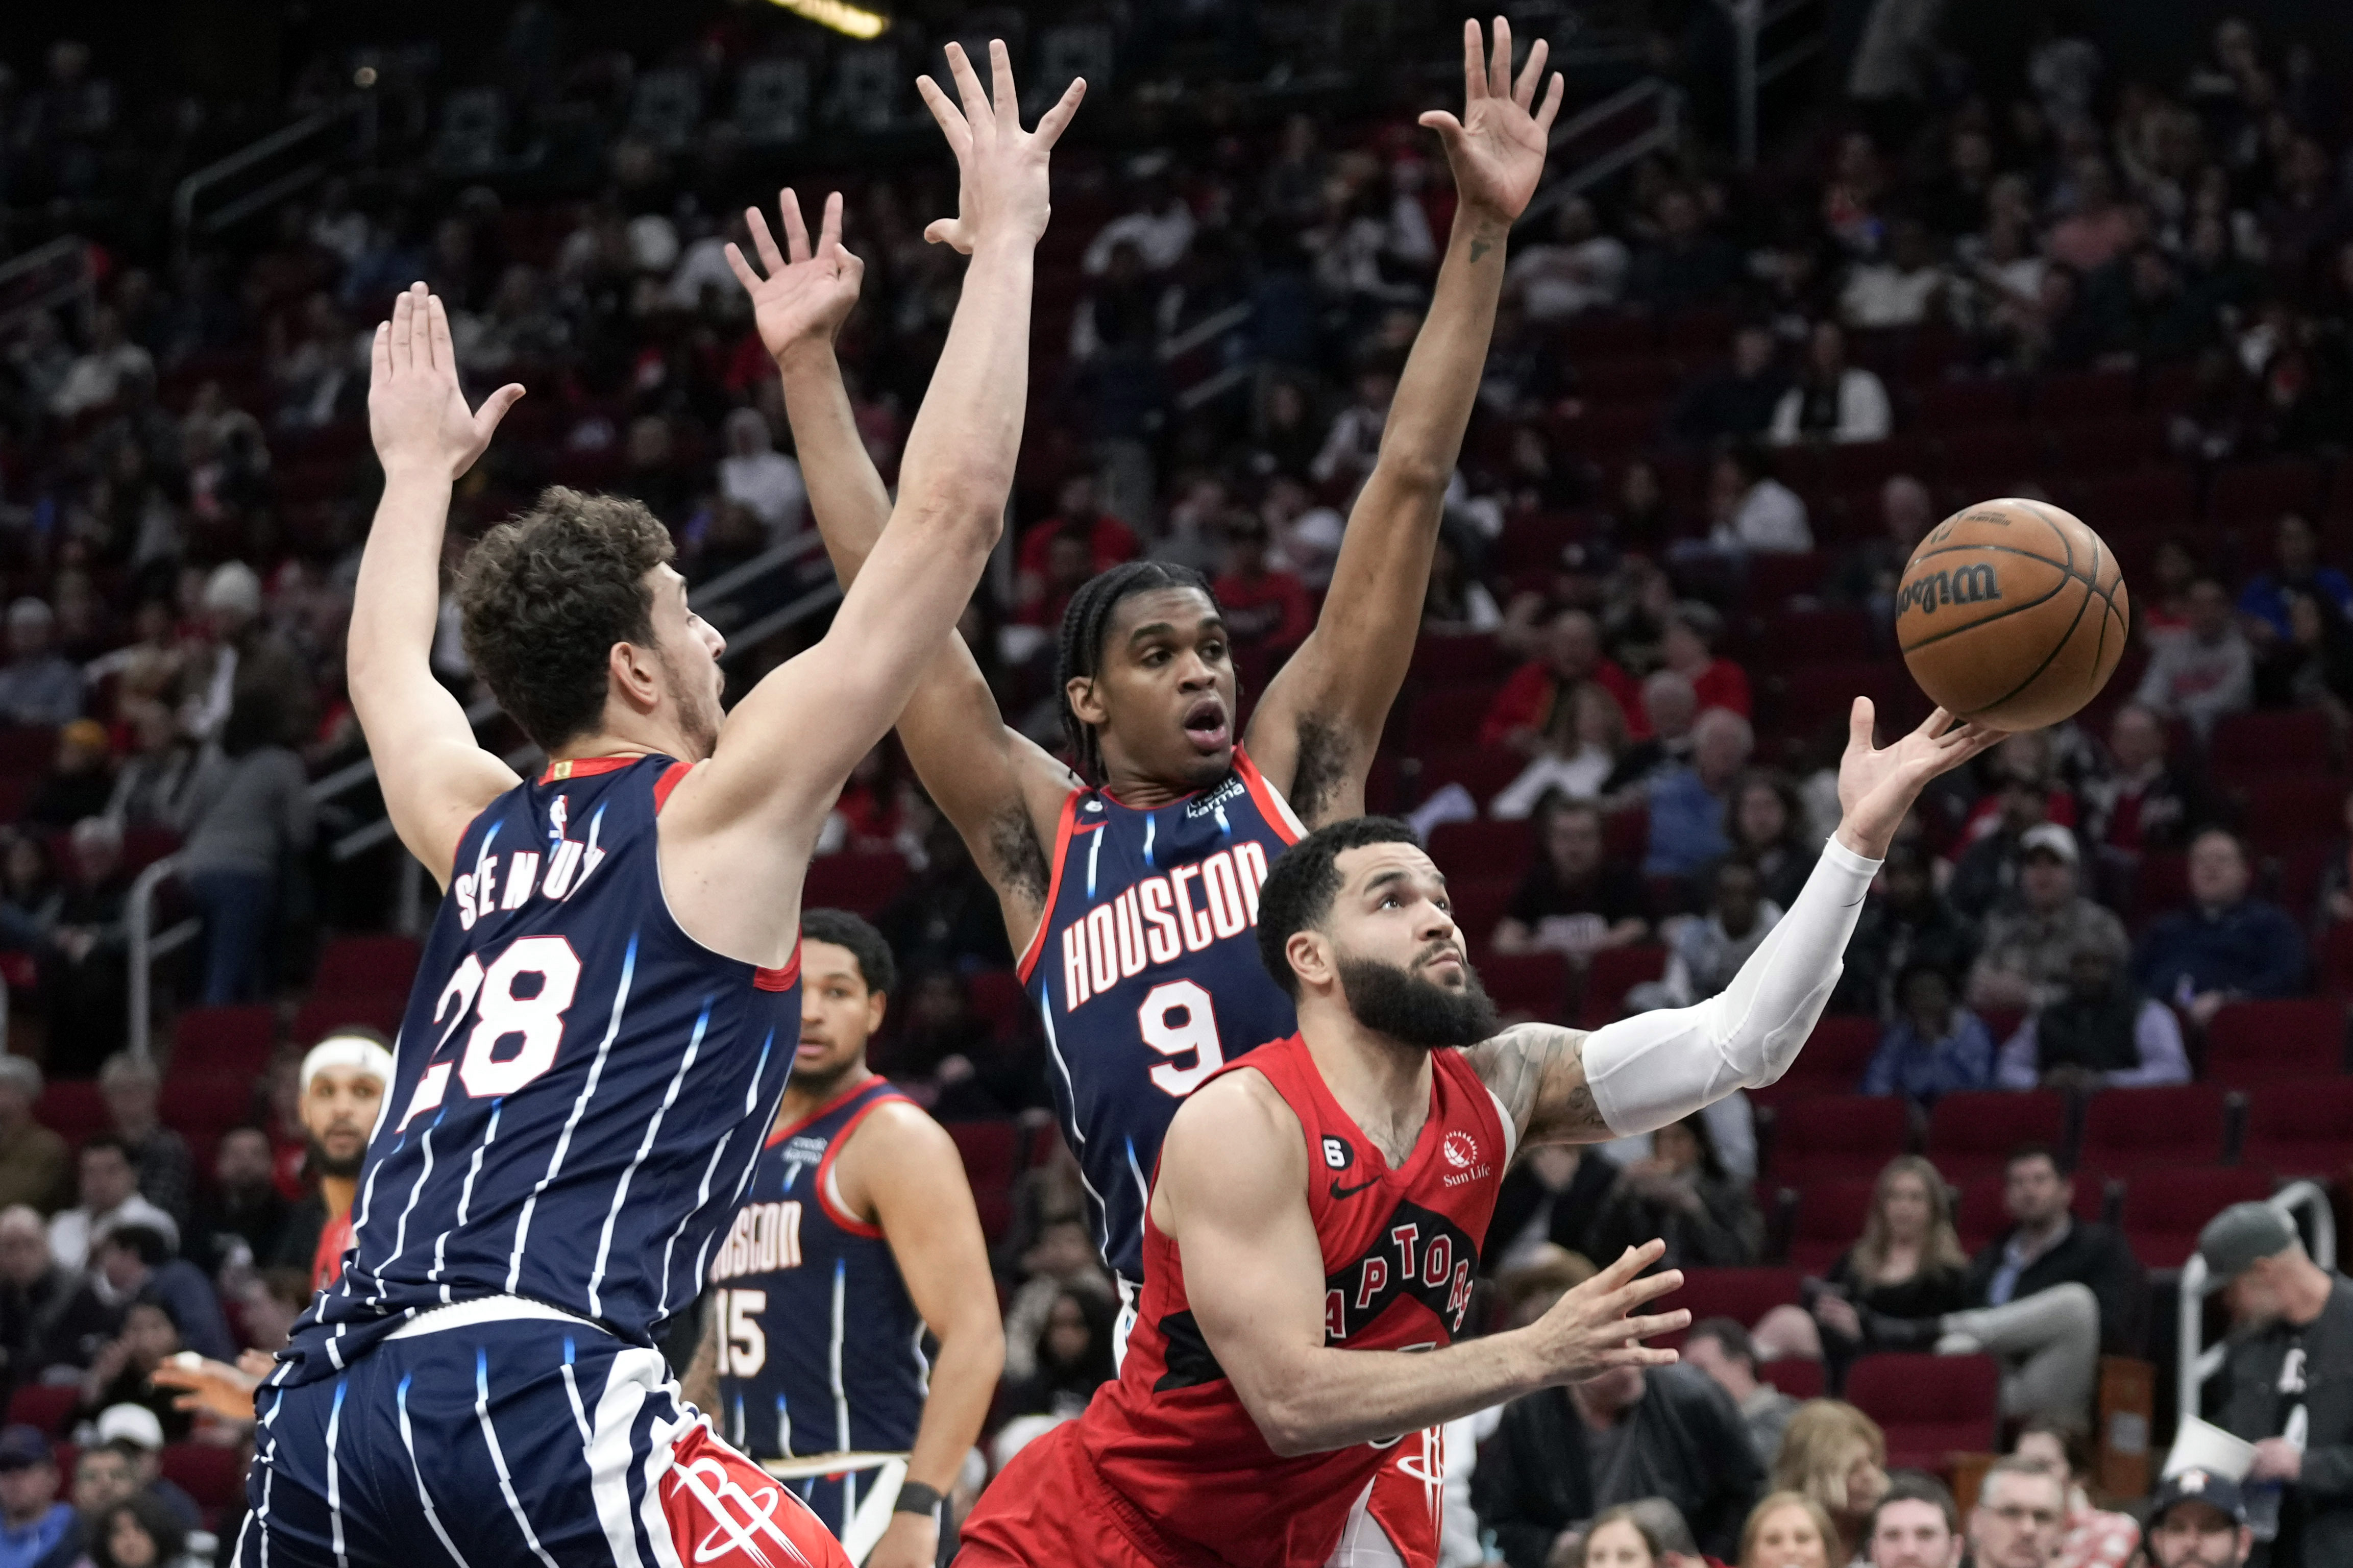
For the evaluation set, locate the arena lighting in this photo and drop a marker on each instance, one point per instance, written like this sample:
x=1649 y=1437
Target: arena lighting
x=838 y=15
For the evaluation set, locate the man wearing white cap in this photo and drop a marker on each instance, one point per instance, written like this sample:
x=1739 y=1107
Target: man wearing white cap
x=246 y=654
x=342 y=1091
x=2032 y=936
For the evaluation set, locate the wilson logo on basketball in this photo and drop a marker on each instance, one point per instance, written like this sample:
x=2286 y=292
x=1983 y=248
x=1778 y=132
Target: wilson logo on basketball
x=1462 y=1151
x=1963 y=585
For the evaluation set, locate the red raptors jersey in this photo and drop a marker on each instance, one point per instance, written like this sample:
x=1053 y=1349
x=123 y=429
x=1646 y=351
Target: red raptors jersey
x=1400 y=1248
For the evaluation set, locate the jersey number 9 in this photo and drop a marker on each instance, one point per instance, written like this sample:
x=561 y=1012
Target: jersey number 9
x=1177 y=1021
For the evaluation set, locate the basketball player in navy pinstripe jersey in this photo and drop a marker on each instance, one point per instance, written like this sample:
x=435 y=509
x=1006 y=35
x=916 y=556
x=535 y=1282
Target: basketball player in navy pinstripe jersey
x=606 y=1008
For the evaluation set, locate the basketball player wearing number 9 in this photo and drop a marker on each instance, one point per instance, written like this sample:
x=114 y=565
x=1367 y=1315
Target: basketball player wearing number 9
x=504 y=1010
x=1178 y=1021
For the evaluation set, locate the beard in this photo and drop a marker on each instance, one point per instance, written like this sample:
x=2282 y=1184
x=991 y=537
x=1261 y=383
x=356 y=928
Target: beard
x=699 y=713
x=326 y=1164
x=1392 y=1000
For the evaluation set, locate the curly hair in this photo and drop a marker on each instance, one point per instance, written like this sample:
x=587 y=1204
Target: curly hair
x=545 y=597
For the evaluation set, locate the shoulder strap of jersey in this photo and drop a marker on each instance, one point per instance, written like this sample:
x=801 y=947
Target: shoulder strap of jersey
x=1462 y=1080
x=1063 y=829
x=1270 y=803
x=862 y=1102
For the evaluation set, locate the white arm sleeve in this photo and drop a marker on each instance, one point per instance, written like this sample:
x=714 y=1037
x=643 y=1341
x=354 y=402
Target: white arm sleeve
x=1655 y=1069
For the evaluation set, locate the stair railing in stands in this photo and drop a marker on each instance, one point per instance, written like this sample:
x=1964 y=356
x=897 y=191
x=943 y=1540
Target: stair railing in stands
x=44 y=278
x=1638 y=119
x=2200 y=1363
x=1752 y=71
x=146 y=946
x=256 y=177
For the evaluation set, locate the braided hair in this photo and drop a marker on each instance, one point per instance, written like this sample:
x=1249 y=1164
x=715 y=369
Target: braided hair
x=1085 y=623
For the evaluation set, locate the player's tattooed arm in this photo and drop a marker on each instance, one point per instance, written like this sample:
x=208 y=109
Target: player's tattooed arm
x=700 y=1382
x=1538 y=1070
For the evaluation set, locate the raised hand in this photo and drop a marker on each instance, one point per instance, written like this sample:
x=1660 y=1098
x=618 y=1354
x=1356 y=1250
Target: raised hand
x=1588 y=1331
x=1877 y=785
x=1498 y=148
x=1001 y=169
x=806 y=294
x=416 y=411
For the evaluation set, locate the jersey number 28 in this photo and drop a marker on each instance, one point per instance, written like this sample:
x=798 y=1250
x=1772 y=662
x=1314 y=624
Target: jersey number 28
x=500 y=1015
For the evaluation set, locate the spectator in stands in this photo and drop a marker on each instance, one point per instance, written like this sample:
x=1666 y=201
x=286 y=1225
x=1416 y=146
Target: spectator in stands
x=38 y=685
x=102 y=372
x=132 y=1433
x=248 y=658
x=1768 y=830
x=1621 y=1537
x=1548 y=1203
x=1908 y=921
x=1734 y=402
x=1933 y=1046
x=119 y=1375
x=1688 y=803
x=1687 y=263
x=49 y=1315
x=1579 y=269
x=763 y=479
x=2019 y=1517
x=342 y=1083
x=82 y=781
x=1904 y=287
x=2199 y=1520
x=1704 y=951
x=1070 y=1359
x=2033 y=935
x=1531 y=713
x=1788 y=1530
x=242 y=1219
x=1834 y=1457
x=1574 y=898
x=36 y=1531
x=32 y=1157
x=109 y=1193
x=1266 y=609
x=103 y=1475
x=1908 y=1263
x=1160 y=225
x=1681 y=1194
x=1915 y=1525
x=2102 y=1032
x=84 y=969
x=1867 y=572
x=2206 y=672
x=1456 y=604
x=2151 y=317
x=246 y=811
x=1722 y=1349
x=2137 y=802
x=2095 y=1537
x=2099 y=228
x=147 y=785
x=132 y=1262
x=1987 y=872
x=2226 y=945
x=1062 y=1259
x=1563 y=1455
x=1749 y=509
x=1582 y=766
x=2313 y=665
x=2284 y=1387
x=133 y=1089
x=1832 y=400
x=140 y=1533
x=1692 y=630
x=1671 y=708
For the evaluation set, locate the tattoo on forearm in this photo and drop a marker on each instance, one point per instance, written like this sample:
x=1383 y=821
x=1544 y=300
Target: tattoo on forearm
x=1538 y=1070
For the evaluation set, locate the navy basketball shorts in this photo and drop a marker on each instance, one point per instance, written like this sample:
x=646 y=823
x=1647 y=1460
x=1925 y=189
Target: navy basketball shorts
x=502 y=1434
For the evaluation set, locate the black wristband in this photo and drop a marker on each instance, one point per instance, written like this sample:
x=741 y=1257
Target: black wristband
x=914 y=1496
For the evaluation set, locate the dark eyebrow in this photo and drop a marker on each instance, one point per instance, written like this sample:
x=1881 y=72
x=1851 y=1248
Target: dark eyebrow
x=1394 y=874
x=1151 y=629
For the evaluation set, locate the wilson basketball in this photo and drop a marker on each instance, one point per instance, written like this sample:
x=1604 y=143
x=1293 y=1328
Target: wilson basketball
x=2011 y=614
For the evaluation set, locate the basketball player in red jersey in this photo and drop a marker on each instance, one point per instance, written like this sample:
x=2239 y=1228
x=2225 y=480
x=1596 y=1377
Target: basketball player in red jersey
x=1319 y=1208
x=1168 y=819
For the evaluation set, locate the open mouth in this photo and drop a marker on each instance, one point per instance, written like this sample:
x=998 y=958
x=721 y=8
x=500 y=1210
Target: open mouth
x=1205 y=724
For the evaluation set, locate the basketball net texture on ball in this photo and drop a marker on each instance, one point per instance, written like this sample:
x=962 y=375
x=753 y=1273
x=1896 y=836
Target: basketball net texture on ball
x=2012 y=614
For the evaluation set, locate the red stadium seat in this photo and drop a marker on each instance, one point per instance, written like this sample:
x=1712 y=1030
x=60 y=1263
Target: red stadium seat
x=997 y=997
x=1612 y=972
x=73 y=1110
x=1990 y=458
x=1828 y=1221
x=1971 y=1135
x=1458 y=658
x=2264 y=1042
x=1796 y=636
x=2073 y=395
x=2149 y=500
x=1482 y=770
x=210 y=1102
x=326 y=1012
x=2336 y=961
x=1536 y=984
x=2165 y=1208
x=1480 y=904
x=1952 y=405
x=1534 y=542
x=2117 y=444
x=43 y=1405
x=367 y=964
x=1449 y=715
x=1743 y=1295
x=1831 y=1062
x=991 y=1152
x=1834 y=1137
x=2124 y=1129
x=1482 y=848
x=2267 y=742
x=1798 y=1379
x=1774 y=578
x=2255 y=494
x=860 y=881
x=224 y=1039
x=211 y=1474
x=2302 y=1129
x=1930 y=1406
x=1978 y=1212
x=27 y=750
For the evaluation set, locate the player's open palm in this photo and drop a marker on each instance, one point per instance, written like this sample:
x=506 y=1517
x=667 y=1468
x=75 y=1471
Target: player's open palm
x=1002 y=168
x=807 y=292
x=1591 y=1328
x=1498 y=148
x=1877 y=785
x=417 y=413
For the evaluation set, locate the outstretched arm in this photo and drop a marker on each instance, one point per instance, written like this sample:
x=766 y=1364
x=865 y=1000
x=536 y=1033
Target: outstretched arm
x=754 y=809
x=1232 y=1192
x=1314 y=733
x=436 y=780
x=1640 y=1074
x=1002 y=791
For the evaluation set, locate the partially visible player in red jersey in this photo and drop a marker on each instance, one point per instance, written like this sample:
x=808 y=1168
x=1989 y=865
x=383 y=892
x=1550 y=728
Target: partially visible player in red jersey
x=1320 y=1205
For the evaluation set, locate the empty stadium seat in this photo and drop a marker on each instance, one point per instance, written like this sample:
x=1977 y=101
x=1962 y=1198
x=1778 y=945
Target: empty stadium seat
x=1461 y=657
x=858 y=880
x=45 y=1405
x=1482 y=770
x=210 y=1473
x=326 y=1012
x=224 y=1039
x=1479 y=904
x=997 y=996
x=1835 y=1137
x=2265 y=742
x=1536 y=984
x=1743 y=1295
x=1612 y=972
x=1798 y=1379
x=2071 y=396
x=73 y=1110
x=1481 y=848
x=2126 y=1128
x=991 y=1152
x=2302 y=1129
x=1950 y=404
x=2254 y=494
x=367 y=964
x=1971 y=1135
x=1930 y=1406
x=1449 y=715
x=210 y=1102
x=2165 y=1208
x=2264 y=1042
x=2288 y=806
x=1829 y=1220
x=1831 y=1062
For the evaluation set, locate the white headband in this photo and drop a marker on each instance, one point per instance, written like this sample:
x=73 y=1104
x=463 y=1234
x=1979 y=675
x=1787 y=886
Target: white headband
x=348 y=1051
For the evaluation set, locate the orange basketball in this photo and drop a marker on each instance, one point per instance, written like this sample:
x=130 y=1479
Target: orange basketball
x=2012 y=614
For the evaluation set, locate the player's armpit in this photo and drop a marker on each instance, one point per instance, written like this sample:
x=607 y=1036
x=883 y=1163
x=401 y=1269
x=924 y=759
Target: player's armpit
x=1537 y=1071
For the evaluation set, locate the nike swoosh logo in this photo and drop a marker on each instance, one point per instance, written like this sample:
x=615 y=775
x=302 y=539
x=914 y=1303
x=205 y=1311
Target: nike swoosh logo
x=1340 y=1191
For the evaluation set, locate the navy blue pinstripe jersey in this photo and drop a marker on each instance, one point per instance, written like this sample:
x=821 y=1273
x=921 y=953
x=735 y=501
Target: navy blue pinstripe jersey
x=820 y=1347
x=1146 y=972
x=580 y=1089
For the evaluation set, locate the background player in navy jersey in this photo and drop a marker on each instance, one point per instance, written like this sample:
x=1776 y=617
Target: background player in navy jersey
x=1130 y=887
x=1319 y=1208
x=858 y=1230
x=606 y=1005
